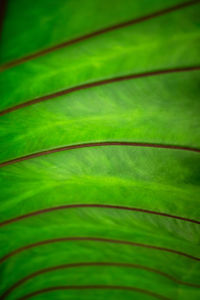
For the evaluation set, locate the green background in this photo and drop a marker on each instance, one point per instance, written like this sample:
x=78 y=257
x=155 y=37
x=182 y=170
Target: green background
x=162 y=109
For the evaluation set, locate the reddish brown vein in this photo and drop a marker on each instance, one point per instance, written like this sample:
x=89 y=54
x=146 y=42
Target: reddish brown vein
x=2 y=13
x=92 y=287
x=97 y=144
x=97 y=33
x=96 y=239
x=95 y=84
x=107 y=206
x=92 y=264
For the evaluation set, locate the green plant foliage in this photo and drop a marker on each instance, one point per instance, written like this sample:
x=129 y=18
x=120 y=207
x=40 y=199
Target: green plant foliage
x=100 y=150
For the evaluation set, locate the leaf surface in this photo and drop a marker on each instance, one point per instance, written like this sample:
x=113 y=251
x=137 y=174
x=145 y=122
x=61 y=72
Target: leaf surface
x=100 y=150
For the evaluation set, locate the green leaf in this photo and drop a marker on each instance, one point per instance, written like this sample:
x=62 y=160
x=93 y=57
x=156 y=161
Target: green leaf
x=100 y=150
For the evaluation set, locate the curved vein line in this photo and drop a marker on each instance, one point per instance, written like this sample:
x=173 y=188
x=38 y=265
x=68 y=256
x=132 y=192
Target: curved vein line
x=84 y=287
x=71 y=206
x=97 y=33
x=97 y=83
x=92 y=264
x=96 y=239
x=96 y=144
